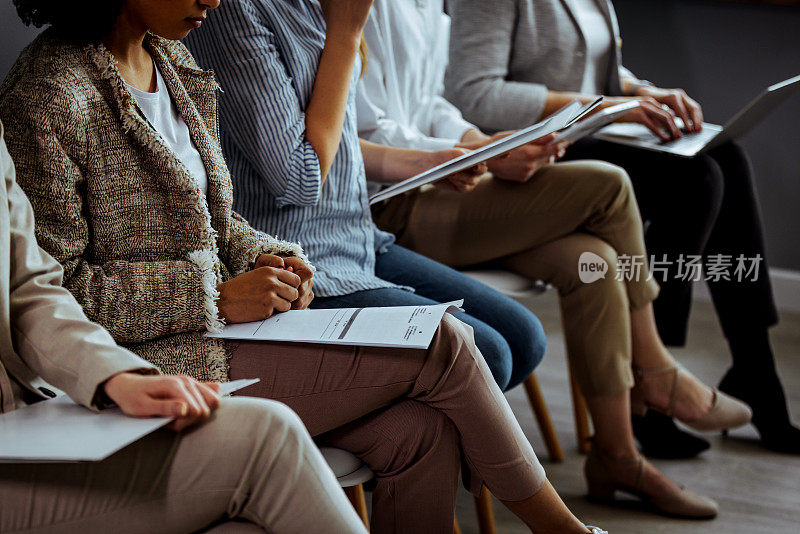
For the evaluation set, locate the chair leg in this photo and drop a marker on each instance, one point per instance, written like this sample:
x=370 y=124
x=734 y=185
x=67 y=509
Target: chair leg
x=542 y=414
x=456 y=528
x=581 y=417
x=359 y=502
x=483 y=505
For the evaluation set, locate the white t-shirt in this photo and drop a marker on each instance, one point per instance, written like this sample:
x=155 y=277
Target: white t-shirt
x=599 y=40
x=164 y=117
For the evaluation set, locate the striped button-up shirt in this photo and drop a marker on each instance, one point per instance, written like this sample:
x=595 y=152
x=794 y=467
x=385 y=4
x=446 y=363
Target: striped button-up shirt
x=265 y=54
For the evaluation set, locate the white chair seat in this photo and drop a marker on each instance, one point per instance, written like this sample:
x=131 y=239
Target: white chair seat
x=507 y=282
x=348 y=468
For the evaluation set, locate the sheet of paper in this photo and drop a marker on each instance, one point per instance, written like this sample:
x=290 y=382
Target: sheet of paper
x=398 y=326
x=58 y=430
x=557 y=121
x=588 y=126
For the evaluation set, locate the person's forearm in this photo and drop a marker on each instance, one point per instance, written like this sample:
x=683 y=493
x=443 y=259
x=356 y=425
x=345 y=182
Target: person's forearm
x=326 y=109
x=390 y=164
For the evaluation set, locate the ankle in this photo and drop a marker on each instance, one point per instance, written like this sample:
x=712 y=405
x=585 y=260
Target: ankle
x=615 y=451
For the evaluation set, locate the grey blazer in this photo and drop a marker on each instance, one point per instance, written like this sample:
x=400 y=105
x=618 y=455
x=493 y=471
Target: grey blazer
x=44 y=336
x=506 y=54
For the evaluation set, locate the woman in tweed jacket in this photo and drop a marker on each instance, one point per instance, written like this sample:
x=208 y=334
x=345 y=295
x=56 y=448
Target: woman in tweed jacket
x=142 y=248
x=122 y=207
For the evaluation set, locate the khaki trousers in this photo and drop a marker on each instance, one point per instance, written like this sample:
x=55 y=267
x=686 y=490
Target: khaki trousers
x=252 y=461
x=413 y=416
x=539 y=229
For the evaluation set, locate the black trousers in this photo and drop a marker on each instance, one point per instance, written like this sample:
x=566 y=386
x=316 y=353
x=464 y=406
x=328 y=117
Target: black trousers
x=703 y=206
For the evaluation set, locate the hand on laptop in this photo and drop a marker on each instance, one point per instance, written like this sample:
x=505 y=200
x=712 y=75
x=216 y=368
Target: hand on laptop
x=181 y=397
x=679 y=102
x=650 y=113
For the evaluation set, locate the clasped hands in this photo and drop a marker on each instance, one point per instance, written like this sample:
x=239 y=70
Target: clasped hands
x=275 y=284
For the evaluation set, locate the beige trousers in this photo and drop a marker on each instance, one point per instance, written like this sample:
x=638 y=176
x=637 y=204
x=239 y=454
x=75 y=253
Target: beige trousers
x=252 y=461
x=539 y=229
x=413 y=416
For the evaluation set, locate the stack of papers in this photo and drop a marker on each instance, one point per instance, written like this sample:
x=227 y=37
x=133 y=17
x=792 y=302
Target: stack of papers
x=579 y=130
x=559 y=120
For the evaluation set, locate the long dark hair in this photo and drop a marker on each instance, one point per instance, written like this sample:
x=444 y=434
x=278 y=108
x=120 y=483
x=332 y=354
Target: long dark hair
x=85 y=22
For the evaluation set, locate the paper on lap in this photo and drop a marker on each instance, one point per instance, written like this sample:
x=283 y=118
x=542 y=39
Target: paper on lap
x=559 y=120
x=58 y=430
x=397 y=326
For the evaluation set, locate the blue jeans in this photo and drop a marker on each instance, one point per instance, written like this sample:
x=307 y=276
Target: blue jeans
x=508 y=335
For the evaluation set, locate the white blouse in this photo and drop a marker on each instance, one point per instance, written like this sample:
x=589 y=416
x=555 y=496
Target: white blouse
x=599 y=43
x=164 y=117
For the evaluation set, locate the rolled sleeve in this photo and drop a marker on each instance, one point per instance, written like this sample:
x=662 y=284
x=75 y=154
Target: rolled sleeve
x=261 y=112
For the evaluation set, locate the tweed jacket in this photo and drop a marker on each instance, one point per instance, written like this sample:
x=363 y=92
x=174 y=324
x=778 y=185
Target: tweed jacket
x=142 y=247
x=44 y=336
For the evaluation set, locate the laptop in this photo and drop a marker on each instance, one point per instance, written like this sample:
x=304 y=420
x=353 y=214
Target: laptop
x=712 y=135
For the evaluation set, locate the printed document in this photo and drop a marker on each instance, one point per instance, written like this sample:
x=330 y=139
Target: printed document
x=409 y=327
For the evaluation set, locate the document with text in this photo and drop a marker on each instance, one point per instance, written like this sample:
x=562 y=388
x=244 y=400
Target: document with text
x=397 y=326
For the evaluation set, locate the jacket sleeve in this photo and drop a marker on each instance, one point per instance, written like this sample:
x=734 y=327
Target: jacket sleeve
x=135 y=301
x=50 y=333
x=480 y=50
x=246 y=244
x=261 y=111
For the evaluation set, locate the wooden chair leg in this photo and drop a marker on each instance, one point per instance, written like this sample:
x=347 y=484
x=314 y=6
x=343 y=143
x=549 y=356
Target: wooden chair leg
x=359 y=502
x=542 y=414
x=581 y=417
x=483 y=505
x=456 y=528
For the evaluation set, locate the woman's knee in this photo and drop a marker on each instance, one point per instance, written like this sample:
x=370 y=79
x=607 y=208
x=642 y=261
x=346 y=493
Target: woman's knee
x=527 y=341
x=261 y=418
x=483 y=343
x=603 y=177
x=412 y=435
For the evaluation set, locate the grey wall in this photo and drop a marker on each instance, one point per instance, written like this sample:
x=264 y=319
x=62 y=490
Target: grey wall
x=13 y=36
x=724 y=54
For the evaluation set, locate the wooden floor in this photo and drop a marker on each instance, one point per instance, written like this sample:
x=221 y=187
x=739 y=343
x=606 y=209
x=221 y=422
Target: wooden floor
x=758 y=491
